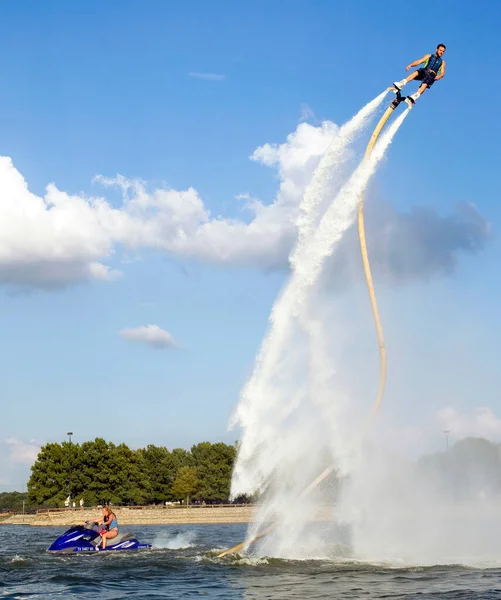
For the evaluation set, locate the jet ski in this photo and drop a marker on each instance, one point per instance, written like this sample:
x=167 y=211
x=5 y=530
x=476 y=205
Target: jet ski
x=86 y=538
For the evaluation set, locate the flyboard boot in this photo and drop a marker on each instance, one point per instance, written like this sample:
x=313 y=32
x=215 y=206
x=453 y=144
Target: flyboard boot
x=398 y=85
x=411 y=100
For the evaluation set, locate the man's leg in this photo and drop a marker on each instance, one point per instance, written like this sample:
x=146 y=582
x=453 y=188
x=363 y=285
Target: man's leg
x=412 y=76
x=421 y=90
x=400 y=84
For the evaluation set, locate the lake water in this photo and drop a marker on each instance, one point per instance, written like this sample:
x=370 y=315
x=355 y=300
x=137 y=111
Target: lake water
x=185 y=566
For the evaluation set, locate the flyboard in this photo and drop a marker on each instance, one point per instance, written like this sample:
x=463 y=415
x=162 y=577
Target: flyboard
x=372 y=296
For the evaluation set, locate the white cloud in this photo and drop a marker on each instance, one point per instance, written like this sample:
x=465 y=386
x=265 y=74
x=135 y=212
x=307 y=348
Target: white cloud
x=208 y=76
x=57 y=238
x=481 y=422
x=16 y=456
x=152 y=335
x=61 y=239
x=19 y=452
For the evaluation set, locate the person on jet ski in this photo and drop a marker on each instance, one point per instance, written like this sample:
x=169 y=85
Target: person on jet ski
x=110 y=523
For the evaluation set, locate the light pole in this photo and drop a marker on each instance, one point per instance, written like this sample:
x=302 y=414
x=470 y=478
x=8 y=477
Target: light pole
x=69 y=434
x=447 y=439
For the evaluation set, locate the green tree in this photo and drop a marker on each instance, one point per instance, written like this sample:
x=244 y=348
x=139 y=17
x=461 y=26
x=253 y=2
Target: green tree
x=186 y=483
x=157 y=462
x=13 y=501
x=102 y=472
x=50 y=482
x=132 y=485
x=170 y=465
x=214 y=464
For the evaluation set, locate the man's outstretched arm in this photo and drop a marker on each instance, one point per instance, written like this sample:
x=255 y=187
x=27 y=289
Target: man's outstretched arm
x=417 y=62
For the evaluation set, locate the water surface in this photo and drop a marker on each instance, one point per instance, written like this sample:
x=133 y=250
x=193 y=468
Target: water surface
x=185 y=566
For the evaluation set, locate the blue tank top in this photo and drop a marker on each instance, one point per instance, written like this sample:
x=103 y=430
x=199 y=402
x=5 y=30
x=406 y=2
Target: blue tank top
x=113 y=524
x=434 y=63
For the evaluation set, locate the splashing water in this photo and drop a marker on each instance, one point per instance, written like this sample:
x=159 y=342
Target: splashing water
x=176 y=541
x=325 y=180
x=293 y=427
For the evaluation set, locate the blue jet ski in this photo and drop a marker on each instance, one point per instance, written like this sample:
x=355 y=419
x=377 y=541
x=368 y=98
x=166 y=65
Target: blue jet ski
x=85 y=539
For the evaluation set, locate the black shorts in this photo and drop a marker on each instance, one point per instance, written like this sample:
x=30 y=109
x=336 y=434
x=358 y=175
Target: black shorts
x=426 y=76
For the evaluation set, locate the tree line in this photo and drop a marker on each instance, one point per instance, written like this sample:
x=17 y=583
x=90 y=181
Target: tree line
x=470 y=470
x=13 y=501
x=101 y=472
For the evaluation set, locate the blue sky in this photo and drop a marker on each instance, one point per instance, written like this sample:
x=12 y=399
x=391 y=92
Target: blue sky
x=181 y=95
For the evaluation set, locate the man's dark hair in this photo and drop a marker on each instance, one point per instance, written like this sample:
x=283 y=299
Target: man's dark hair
x=442 y=46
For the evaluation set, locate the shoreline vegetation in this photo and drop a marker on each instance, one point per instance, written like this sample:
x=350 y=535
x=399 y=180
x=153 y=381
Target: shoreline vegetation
x=156 y=486
x=100 y=472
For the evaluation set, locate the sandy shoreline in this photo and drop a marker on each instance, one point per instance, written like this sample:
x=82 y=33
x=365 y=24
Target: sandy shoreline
x=158 y=515
x=143 y=516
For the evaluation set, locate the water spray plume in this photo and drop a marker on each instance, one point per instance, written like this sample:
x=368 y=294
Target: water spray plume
x=269 y=403
x=255 y=402
x=320 y=189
